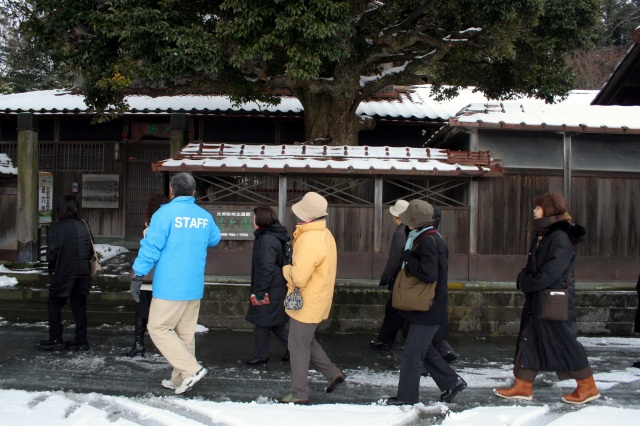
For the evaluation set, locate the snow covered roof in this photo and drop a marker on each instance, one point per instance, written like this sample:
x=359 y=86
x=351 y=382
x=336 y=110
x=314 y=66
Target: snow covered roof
x=6 y=166
x=405 y=105
x=574 y=118
x=356 y=160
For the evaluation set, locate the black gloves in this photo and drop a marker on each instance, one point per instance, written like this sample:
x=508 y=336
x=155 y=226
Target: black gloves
x=134 y=288
x=383 y=283
x=287 y=255
x=407 y=255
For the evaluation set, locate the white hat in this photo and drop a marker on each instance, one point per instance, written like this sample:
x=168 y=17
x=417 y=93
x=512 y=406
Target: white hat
x=399 y=207
x=311 y=206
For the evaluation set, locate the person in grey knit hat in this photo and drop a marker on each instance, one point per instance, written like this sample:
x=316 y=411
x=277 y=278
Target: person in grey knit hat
x=425 y=257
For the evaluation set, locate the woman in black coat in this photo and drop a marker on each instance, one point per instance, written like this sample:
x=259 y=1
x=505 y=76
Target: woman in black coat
x=69 y=253
x=545 y=345
x=268 y=286
x=426 y=257
x=636 y=327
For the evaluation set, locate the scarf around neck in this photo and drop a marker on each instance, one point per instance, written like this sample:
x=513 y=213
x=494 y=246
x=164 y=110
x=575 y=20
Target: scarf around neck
x=541 y=226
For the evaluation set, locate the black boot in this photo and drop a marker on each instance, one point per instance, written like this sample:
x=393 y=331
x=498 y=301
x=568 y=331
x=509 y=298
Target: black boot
x=138 y=346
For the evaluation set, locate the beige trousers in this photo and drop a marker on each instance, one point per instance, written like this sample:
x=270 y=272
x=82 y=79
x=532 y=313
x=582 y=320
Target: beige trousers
x=172 y=327
x=305 y=351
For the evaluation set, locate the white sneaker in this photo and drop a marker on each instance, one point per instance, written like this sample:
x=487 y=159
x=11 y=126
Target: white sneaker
x=168 y=383
x=188 y=383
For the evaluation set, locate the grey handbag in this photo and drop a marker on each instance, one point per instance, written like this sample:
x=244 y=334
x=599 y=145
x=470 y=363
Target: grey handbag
x=293 y=301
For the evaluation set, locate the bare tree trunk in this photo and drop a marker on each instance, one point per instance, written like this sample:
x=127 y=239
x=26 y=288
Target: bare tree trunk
x=330 y=117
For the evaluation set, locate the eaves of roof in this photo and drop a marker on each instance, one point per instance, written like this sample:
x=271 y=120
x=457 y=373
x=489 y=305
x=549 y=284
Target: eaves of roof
x=404 y=107
x=624 y=71
x=332 y=160
x=554 y=118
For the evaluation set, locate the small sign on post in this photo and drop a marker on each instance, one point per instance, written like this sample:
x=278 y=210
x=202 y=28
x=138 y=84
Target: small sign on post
x=45 y=199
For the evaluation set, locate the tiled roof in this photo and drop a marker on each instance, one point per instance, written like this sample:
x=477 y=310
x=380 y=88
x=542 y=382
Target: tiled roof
x=337 y=160
x=404 y=105
x=574 y=118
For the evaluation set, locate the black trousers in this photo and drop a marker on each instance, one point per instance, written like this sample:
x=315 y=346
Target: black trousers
x=391 y=323
x=142 y=307
x=419 y=353
x=261 y=335
x=79 y=311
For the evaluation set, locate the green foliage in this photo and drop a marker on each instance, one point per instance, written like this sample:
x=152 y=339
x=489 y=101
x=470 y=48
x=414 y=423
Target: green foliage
x=249 y=48
x=619 y=19
x=23 y=67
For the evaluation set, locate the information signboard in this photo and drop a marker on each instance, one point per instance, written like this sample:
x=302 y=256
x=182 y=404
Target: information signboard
x=45 y=198
x=236 y=224
x=100 y=191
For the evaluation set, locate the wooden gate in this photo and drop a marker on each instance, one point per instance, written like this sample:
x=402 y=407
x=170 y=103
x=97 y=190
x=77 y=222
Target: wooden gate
x=141 y=182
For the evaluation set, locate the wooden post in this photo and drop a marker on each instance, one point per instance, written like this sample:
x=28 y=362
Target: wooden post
x=473 y=201
x=282 y=198
x=27 y=226
x=566 y=172
x=377 y=214
x=178 y=133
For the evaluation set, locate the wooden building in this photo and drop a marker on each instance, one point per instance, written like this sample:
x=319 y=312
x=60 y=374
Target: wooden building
x=108 y=165
x=590 y=153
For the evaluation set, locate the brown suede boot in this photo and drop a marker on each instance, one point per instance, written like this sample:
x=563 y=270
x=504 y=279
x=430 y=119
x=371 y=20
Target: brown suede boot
x=585 y=392
x=521 y=389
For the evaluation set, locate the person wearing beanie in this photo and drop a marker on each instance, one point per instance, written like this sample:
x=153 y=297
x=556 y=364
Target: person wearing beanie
x=313 y=273
x=392 y=321
x=425 y=257
x=549 y=345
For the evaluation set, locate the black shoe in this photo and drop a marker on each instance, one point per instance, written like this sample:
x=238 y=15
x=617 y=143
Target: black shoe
x=450 y=357
x=51 y=345
x=138 y=349
x=72 y=345
x=286 y=357
x=449 y=394
x=257 y=361
x=636 y=364
x=380 y=345
x=335 y=381
x=395 y=401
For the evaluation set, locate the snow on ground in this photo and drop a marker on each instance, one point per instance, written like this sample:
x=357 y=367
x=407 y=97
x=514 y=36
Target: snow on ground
x=19 y=408
x=107 y=251
x=7 y=281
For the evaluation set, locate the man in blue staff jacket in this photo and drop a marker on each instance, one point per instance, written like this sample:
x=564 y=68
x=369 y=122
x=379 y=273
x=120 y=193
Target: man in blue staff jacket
x=176 y=244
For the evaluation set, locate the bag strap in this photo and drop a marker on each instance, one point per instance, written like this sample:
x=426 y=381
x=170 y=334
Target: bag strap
x=419 y=237
x=90 y=237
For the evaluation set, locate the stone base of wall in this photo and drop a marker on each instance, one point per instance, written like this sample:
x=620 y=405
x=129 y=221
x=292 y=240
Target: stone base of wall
x=474 y=308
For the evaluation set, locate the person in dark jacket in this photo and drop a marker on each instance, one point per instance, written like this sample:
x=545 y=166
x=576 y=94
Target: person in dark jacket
x=441 y=339
x=69 y=253
x=426 y=257
x=392 y=321
x=154 y=201
x=636 y=327
x=545 y=345
x=268 y=286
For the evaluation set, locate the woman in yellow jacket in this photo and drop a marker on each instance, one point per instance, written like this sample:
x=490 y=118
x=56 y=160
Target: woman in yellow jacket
x=313 y=272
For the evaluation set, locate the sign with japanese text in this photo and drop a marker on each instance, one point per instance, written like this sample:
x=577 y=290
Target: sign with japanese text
x=234 y=224
x=45 y=198
x=100 y=191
